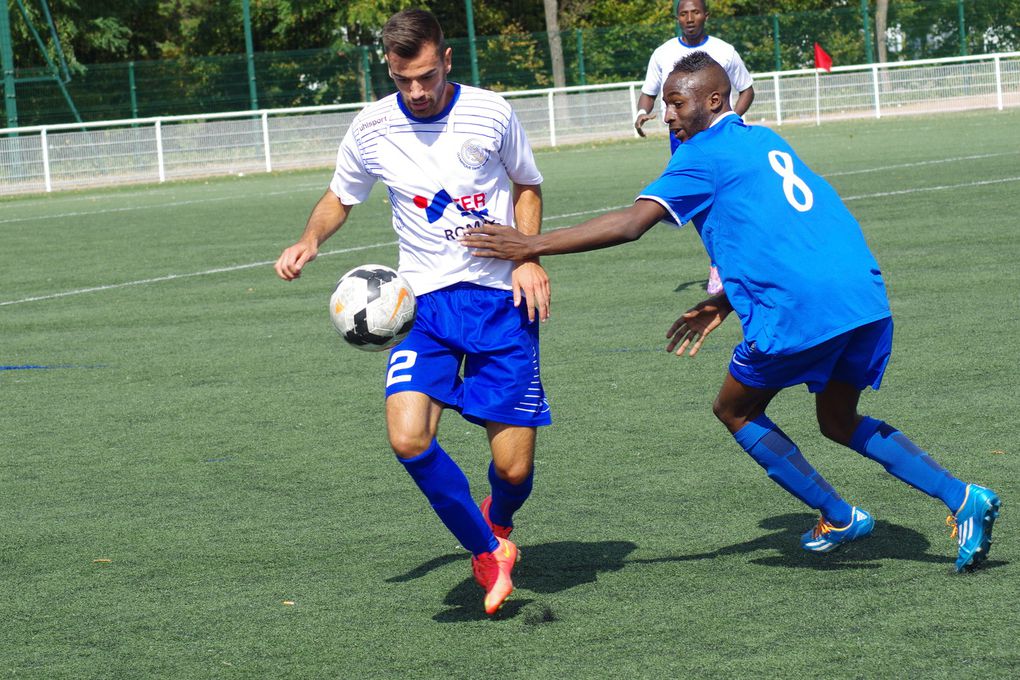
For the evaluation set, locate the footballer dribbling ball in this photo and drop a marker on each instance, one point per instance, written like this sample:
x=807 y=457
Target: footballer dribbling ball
x=372 y=307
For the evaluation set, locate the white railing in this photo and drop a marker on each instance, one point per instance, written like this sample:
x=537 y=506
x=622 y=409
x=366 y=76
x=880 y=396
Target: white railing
x=76 y=155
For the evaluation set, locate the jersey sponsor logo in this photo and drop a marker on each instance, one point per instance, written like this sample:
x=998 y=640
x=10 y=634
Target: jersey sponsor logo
x=434 y=209
x=470 y=205
x=472 y=154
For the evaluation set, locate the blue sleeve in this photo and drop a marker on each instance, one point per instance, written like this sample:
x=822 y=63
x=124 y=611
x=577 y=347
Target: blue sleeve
x=686 y=187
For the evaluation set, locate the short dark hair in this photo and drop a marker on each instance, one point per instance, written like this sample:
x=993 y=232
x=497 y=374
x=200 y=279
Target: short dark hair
x=408 y=31
x=694 y=62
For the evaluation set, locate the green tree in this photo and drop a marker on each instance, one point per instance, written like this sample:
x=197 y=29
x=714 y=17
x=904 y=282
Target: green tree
x=189 y=54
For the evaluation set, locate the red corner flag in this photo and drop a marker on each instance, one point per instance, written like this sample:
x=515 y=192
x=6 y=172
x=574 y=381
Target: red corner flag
x=822 y=59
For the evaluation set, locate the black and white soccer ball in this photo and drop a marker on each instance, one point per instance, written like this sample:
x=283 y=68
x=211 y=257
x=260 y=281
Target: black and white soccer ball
x=372 y=307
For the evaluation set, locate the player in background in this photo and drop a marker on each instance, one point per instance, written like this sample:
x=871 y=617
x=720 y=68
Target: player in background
x=691 y=15
x=451 y=156
x=809 y=294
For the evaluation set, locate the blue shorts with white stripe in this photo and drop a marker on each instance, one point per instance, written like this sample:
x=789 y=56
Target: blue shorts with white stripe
x=472 y=350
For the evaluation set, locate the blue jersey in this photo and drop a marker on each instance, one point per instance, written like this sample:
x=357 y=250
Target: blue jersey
x=793 y=261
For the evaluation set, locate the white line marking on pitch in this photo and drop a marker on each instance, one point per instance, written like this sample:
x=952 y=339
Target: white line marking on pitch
x=920 y=163
x=174 y=277
x=300 y=187
x=917 y=190
x=154 y=206
x=252 y=265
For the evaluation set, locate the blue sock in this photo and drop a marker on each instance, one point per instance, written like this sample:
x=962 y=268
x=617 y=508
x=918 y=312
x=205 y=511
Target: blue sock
x=507 y=498
x=785 y=465
x=446 y=487
x=905 y=461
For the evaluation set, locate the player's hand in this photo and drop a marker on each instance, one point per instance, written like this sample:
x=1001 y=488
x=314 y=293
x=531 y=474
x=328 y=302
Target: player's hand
x=691 y=329
x=293 y=260
x=640 y=121
x=531 y=282
x=494 y=240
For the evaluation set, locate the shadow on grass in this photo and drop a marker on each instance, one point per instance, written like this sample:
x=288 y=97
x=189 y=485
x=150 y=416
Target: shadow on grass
x=544 y=568
x=699 y=284
x=554 y=567
x=888 y=541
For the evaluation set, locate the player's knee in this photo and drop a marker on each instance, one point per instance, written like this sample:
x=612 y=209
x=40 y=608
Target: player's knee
x=515 y=473
x=409 y=445
x=724 y=412
x=839 y=430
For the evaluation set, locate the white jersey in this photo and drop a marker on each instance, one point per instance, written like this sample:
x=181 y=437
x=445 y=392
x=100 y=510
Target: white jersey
x=444 y=174
x=666 y=55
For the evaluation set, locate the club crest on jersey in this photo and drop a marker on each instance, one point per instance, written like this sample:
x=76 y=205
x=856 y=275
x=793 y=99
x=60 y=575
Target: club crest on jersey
x=472 y=154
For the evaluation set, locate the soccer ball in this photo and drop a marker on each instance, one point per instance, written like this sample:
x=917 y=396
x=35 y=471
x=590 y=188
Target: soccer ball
x=372 y=307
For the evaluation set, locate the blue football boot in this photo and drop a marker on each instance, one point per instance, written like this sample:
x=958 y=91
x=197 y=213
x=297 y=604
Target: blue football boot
x=972 y=526
x=826 y=537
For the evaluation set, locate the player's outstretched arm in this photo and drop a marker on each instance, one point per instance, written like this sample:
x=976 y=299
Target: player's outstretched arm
x=610 y=229
x=529 y=281
x=327 y=217
x=691 y=329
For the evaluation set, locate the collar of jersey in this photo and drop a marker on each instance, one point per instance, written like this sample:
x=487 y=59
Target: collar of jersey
x=439 y=116
x=723 y=117
x=717 y=124
x=703 y=41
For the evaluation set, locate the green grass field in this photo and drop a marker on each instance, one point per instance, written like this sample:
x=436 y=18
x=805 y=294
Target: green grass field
x=195 y=480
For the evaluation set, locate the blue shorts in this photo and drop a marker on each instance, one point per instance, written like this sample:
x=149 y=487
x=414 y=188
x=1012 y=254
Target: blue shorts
x=477 y=329
x=857 y=357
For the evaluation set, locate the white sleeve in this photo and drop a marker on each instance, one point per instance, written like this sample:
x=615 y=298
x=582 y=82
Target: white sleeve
x=516 y=154
x=653 y=77
x=740 y=78
x=351 y=182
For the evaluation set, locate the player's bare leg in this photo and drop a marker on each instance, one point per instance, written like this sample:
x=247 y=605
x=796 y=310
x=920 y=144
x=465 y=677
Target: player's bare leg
x=412 y=420
x=513 y=451
x=510 y=474
x=973 y=508
x=738 y=404
x=742 y=409
x=836 y=409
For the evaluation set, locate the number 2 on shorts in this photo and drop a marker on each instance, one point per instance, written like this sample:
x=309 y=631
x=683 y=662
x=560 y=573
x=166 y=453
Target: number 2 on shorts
x=400 y=361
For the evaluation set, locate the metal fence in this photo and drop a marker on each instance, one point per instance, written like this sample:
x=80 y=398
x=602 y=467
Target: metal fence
x=159 y=149
x=514 y=59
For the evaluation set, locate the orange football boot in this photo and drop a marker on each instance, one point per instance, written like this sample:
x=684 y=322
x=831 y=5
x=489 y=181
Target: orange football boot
x=492 y=572
x=500 y=531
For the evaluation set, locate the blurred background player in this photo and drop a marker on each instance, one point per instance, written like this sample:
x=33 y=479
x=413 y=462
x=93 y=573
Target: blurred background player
x=452 y=156
x=691 y=16
x=809 y=294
